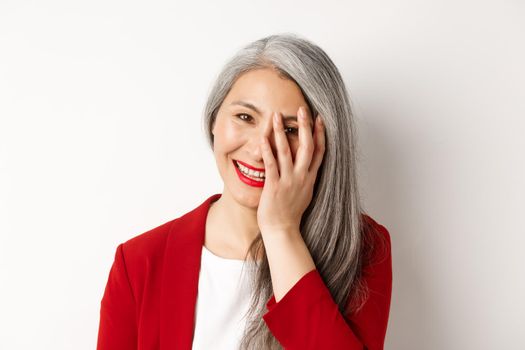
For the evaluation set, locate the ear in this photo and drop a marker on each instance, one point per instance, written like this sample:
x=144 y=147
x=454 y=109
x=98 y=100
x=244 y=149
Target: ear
x=214 y=116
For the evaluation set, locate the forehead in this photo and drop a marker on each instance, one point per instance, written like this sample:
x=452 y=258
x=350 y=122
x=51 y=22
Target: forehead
x=266 y=89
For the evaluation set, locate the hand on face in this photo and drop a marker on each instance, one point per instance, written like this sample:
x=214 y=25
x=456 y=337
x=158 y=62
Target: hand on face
x=288 y=187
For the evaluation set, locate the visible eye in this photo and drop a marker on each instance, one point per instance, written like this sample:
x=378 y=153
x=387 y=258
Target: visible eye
x=294 y=131
x=241 y=114
x=289 y=130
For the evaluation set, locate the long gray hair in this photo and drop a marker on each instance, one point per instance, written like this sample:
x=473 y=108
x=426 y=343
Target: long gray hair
x=332 y=225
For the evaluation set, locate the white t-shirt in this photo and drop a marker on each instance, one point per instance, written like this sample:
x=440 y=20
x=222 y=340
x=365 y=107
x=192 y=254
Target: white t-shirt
x=222 y=301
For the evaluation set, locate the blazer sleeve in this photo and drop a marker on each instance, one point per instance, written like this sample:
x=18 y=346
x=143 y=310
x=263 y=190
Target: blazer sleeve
x=118 y=326
x=308 y=318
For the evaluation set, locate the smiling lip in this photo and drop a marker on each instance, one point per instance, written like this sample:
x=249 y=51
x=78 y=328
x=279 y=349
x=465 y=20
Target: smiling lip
x=249 y=166
x=246 y=179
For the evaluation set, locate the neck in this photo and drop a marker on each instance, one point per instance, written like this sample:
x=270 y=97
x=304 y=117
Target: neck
x=231 y=224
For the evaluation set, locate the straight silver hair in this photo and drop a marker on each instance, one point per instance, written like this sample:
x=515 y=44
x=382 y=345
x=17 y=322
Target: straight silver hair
x=332 y=226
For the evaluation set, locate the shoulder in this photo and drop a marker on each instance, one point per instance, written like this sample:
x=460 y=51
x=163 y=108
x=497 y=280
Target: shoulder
x=371 y=223
x=141 y=257
x=377 y=245
x=147 y=245
x=371 y=307
x=376 y=265
x=151 y=245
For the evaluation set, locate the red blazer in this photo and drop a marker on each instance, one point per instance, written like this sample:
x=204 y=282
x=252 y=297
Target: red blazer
x=149 y=300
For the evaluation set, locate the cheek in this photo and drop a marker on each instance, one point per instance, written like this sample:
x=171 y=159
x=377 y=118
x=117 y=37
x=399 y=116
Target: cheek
x=227 y=135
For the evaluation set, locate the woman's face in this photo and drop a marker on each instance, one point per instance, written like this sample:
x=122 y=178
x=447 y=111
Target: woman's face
x=245 y=117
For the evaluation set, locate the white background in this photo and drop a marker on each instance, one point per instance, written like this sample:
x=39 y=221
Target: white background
x=100 y=140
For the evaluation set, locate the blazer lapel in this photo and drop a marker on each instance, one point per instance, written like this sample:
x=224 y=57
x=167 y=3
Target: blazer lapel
x=180 y=277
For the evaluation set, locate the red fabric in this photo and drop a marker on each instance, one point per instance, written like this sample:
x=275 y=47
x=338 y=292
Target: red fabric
x=149 y=299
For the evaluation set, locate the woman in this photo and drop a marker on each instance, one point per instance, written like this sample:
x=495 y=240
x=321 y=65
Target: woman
x=319 y=273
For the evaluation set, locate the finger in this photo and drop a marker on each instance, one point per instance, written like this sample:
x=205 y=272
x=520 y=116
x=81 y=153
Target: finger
x=270 y=164
x=303 y=157
x=320 y=145
x=284 y=155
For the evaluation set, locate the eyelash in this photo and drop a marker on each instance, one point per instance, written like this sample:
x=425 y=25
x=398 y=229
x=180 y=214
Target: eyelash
x=294 y=132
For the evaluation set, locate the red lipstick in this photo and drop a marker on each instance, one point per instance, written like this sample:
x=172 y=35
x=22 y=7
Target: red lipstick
x=246 y=179
x=249 y=166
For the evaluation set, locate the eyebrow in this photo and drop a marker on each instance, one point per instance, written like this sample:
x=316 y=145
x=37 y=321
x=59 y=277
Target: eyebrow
x=252 y=107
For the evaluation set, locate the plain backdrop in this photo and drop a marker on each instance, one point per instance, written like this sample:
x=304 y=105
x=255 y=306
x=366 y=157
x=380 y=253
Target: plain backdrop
x=101 y=139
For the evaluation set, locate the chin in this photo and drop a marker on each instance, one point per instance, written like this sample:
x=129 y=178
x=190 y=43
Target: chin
x=247 y=199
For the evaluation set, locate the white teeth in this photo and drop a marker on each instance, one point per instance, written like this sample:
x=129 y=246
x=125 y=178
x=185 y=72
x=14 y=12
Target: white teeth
x=250 y=172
